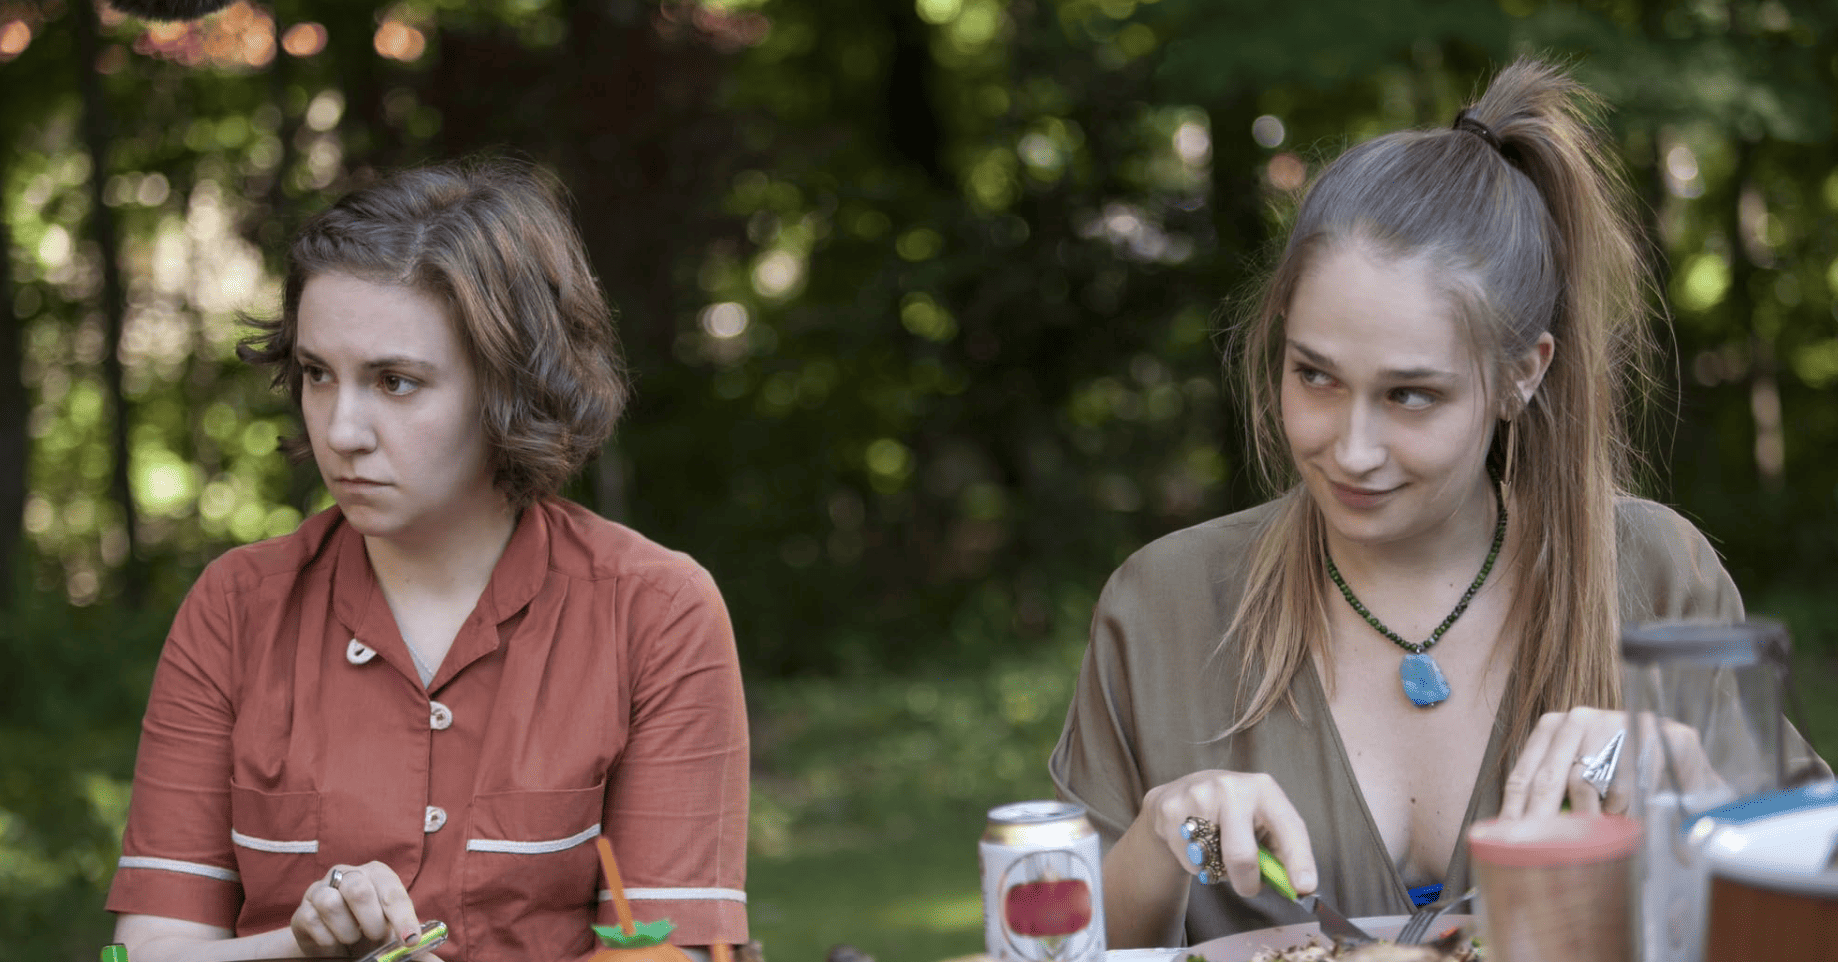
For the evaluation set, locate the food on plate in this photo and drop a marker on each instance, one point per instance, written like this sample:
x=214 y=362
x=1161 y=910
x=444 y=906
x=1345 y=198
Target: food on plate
x=1318 y=950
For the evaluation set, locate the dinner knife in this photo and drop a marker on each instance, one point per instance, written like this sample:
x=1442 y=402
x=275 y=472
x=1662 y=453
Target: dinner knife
x=1333 y=925
x=432 y=935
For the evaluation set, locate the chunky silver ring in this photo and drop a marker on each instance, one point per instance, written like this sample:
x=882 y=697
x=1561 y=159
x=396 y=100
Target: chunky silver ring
x=338 y=875
x=1599 y=769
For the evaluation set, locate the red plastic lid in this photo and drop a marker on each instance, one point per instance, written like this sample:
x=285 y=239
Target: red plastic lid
x=1553 y=840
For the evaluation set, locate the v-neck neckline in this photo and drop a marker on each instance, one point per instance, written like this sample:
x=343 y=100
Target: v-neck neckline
x=1455 y=874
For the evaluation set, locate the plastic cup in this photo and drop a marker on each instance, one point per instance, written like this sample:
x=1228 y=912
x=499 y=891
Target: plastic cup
x=1555 y=889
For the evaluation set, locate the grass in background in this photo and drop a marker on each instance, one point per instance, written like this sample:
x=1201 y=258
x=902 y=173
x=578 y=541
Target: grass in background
x=870 y=794
x=1811 y=615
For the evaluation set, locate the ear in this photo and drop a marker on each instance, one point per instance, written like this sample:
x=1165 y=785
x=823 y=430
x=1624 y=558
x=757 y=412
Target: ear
x=1528 y=372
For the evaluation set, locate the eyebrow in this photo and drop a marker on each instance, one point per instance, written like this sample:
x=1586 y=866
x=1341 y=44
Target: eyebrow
x=397 y=361
x=1395 y=374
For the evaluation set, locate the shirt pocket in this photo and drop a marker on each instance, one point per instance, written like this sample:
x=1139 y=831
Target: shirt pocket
x=276 y=840
x=531 y=880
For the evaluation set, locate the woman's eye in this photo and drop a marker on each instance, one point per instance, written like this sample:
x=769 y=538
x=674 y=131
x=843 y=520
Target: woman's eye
x=314 y=374
x=1313 y=377
x=397 y=384
x=1413 y=398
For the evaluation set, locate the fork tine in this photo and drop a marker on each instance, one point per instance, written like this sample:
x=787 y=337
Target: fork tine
x=1413 y=930
x=1421 y=920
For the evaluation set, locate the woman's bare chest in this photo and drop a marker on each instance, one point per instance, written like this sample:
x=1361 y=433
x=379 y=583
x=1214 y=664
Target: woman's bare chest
x=1416 y=767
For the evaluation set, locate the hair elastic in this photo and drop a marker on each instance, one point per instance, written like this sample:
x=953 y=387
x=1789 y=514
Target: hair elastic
x=1466 y=121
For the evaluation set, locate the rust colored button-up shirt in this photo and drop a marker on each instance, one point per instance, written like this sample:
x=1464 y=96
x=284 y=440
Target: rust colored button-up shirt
x=595 y=689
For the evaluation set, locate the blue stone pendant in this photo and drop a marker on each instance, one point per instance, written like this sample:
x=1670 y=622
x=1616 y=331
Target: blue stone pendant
x=1423 y=681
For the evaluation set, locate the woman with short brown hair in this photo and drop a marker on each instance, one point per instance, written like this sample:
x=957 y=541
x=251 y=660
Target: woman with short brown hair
x=428 y=701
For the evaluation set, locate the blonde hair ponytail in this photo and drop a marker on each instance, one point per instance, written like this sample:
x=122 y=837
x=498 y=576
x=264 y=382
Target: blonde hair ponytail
x=1520 y=209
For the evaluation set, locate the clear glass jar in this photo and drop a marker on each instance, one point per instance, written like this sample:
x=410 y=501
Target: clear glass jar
x=1707 y=727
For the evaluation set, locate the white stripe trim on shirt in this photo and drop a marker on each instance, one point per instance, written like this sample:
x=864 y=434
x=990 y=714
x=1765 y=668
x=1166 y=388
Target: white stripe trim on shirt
x=678 y=895
x=174 y=865
x=267 y=845
x=531 y=848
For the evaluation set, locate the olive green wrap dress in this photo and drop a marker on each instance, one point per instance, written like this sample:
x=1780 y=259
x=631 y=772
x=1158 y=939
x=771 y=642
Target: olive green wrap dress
x=1157 y=687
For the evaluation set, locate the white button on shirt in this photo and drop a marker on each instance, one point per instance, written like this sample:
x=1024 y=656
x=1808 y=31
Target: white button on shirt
x=436 y=817
x=359 y=653
x=440 y=717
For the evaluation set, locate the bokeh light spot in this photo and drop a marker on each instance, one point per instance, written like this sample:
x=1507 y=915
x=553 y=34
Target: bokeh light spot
x=14 y=38
x=938 y=12
x=923 y=316
x=919 y=244
x=725 y=320
x=399 y=41
x=1286 y=172
x=778 y=274
x=1268 y=131
x=323 y=113
x=304 y=39
x=1193 y=143
x=1702 y=284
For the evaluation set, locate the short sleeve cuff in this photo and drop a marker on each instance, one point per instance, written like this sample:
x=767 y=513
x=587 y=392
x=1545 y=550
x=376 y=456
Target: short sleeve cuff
x=702 y=916
x=175 y=889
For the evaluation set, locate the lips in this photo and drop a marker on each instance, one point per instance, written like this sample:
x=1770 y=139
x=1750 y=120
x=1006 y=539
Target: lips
x=1354 y=497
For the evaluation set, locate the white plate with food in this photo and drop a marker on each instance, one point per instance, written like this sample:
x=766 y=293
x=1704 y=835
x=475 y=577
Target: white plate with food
x=1292 y=943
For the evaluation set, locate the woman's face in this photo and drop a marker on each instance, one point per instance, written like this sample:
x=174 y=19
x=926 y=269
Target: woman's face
x=392 y=408
x=1383 y=403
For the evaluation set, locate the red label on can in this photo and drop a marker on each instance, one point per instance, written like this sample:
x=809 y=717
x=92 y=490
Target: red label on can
x=1048 y=908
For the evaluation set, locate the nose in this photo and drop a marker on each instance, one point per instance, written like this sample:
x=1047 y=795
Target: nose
x=348 y=427
x=1360 y=449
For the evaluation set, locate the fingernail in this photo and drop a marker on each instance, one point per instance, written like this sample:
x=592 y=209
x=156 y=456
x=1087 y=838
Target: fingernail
x=1204 y=878
x=1305 y=881
x=411 y=937
x=1195 y=854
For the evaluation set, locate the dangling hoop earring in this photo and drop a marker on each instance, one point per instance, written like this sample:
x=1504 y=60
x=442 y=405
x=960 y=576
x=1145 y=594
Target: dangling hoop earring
x=1506 y=476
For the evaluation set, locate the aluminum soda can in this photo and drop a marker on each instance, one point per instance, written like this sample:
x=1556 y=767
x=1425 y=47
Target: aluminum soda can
x=1043 y=895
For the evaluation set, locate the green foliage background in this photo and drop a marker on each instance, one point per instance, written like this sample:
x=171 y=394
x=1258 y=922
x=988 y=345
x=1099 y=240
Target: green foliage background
x=922 y=300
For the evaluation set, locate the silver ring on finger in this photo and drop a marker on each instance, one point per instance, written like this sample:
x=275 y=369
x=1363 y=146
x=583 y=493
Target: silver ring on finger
x=338 y=875
x=1599 y=769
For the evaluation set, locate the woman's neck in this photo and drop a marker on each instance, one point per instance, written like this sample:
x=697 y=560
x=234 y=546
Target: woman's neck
x=453 y=561
x=1452 y=549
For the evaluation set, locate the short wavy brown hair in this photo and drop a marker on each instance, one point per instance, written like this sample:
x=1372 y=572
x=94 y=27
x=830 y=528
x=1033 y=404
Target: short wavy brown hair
x=490 y=240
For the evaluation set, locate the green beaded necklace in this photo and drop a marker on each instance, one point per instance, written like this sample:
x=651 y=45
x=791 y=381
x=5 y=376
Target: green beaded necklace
x=1424 y=683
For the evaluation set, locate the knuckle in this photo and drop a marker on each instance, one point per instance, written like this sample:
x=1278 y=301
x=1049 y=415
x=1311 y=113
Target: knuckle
x=1237 y=855
x=1682 y=734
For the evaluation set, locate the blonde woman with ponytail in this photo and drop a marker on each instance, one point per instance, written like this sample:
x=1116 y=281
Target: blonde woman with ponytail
x=1420 y=630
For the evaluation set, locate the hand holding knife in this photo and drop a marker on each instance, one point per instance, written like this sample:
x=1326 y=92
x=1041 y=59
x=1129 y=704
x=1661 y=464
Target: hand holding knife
x=432 y=935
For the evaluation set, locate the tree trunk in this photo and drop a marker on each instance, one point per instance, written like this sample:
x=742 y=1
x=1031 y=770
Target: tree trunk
x=96 y=132
x=15 y=411
x=1764 y=384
